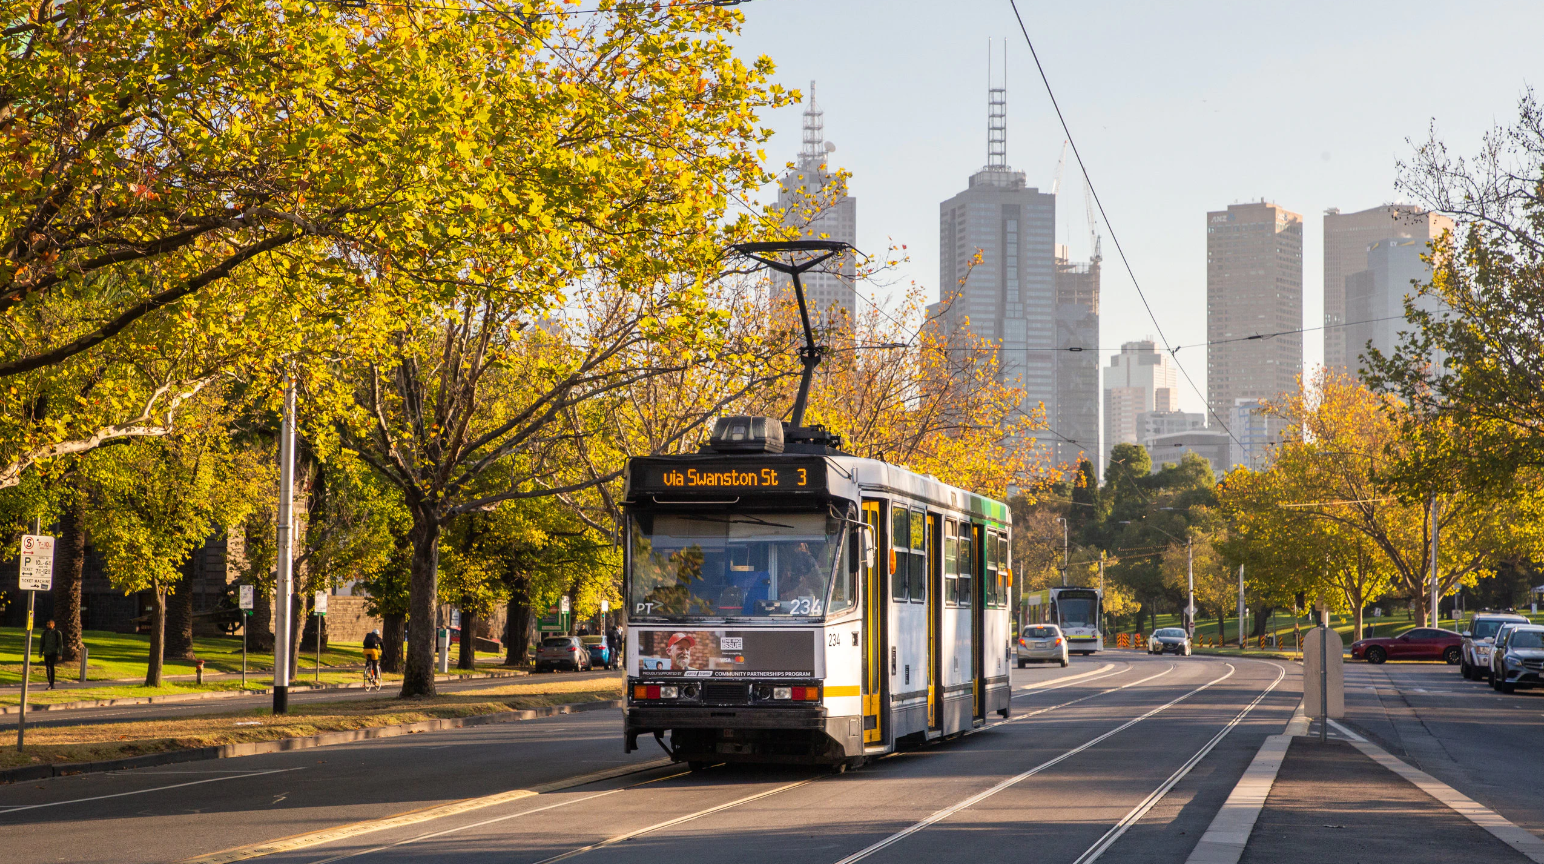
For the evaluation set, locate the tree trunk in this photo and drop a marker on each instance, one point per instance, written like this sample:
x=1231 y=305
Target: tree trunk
x=516 y=642
x=260 y=623
x=391 y=643
x=157 y=637
x=423 y=585
x=1262 y=619
x=297 y=631
x=179 y=616
x=468 y=659
x=1420 y=610
x=67 y=579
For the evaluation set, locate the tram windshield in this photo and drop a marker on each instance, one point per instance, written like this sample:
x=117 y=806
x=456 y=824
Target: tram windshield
x=1078 y=610
x=732 y=565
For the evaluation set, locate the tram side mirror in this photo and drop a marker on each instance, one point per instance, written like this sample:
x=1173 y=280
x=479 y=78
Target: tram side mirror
x=870 y=551
x=1466 y=634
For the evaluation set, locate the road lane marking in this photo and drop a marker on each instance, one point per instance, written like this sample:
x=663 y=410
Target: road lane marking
x=411 y=817
x=431 y=835
x=1499 y=826
x=144 y=791
x=1042 y=685
x=1037 y=712
x=658 y=826
x=1146 y=804
x=1018 y=778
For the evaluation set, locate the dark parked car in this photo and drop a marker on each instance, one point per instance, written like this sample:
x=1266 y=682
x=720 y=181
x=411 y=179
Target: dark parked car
x=1422 y=643
x=562 y=652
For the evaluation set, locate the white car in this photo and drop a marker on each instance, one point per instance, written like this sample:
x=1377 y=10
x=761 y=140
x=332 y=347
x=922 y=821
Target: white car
x=1479 y=637
x=1041 y=643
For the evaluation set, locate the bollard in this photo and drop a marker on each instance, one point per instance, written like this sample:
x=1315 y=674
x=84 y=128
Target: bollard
x=84 y=653
x=198 y=672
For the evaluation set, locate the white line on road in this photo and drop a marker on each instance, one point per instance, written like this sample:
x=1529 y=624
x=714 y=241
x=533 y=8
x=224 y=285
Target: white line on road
x=1062 y=682
x=676 y=821
x=1018 y=778
x=143 y=791
x=1152 y=800
x=1499 y=826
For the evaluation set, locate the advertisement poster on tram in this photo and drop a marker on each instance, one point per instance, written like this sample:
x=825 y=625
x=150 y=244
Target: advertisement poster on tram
x=726 y=653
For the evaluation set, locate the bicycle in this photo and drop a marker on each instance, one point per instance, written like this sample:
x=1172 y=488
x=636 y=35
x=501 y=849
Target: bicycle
x=372 y=672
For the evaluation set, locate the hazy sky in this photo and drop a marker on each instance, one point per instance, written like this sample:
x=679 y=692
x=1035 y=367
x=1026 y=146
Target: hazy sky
x=1178 y=108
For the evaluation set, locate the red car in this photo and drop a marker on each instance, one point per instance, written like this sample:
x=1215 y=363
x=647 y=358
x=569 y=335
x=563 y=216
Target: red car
x=1422 y=643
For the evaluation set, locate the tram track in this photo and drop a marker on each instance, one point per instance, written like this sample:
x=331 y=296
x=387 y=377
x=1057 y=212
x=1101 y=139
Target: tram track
x=1109 y=671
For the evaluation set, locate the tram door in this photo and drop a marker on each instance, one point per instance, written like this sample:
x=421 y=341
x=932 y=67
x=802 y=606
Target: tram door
x=978 y=616
x=874 y=578
x=935 y=593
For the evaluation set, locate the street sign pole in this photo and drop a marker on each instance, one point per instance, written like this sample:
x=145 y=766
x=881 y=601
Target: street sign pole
x=320 y=607
x=244 y=606
x=35 y=573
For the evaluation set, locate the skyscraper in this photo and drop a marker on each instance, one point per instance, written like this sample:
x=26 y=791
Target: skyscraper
x=1138 y=380
x=1346 y=238
x=1009 y=297
x=1375 y=297
x=1254 y=287
x=1076 y=421
x=816 y=202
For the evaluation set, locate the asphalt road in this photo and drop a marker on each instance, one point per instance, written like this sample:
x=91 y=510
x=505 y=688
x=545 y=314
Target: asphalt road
x=237 y=704
x=1482 y=743
x=1068 y=776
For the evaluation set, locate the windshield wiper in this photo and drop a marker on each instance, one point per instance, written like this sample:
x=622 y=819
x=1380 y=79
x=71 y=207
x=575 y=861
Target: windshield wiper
x=736 y=520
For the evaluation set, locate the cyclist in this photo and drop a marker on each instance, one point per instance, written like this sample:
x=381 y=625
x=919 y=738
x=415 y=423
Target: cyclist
x=373 y=655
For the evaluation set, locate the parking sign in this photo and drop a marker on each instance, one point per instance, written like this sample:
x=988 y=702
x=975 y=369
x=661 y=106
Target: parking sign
x=37 y=562
x=246 y=597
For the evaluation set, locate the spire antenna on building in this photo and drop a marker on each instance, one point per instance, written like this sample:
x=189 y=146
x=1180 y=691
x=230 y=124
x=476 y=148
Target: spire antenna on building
x=814 y=152
x=996 y=113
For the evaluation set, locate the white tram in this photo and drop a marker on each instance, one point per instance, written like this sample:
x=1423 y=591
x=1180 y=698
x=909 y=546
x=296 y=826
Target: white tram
x=808 y=606
x=1077 y=611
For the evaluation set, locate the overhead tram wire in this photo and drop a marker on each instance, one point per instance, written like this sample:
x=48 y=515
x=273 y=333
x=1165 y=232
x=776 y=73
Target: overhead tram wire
x=1257 y=336
x=1114 y=238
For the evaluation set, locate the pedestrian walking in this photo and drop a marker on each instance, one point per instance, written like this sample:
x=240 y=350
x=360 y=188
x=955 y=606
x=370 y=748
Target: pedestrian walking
x=52 y=646
x=614 y=639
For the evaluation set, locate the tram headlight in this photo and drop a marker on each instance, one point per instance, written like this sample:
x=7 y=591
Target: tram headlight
x=764 y=691
x=782 y=692
x=689 y=691
x=669 y=692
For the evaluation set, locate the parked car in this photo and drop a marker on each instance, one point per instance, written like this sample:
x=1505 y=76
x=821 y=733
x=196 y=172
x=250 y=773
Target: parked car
x=1041 y=643
x=1169 y=639
x=600 y=653
x=1474 y=660
x=562 y=652
x=1422 y=643
x=1517 y=659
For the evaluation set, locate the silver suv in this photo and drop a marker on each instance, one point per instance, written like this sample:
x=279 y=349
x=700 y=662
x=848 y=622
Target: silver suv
x=1517 y=659
x=1474 y=661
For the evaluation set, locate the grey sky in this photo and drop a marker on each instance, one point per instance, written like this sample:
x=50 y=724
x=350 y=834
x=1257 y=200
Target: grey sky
x=1178 y=108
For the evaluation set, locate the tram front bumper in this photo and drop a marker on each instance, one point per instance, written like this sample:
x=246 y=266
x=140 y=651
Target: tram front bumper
x=760 y=734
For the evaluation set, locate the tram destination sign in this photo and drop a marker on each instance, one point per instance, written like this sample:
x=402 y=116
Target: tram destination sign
x=737 y=474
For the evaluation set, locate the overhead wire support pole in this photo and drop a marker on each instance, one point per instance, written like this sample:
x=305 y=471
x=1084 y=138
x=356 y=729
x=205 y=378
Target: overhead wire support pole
x=284 y=587
x=810 y=353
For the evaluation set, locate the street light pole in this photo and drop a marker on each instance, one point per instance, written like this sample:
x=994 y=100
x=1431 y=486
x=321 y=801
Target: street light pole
x=283 y=622
x=1064 y=550
x=1435 y=590
x=1190 y=579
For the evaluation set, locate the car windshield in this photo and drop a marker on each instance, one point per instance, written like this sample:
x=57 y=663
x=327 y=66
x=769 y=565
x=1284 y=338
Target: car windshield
x=1170 y=631
x=1039 y=633
x=556 y=642
x=730 y=565
x=1526 y=639
x=1485 y=629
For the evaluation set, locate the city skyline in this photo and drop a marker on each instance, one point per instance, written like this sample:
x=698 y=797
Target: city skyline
x=1166 y=137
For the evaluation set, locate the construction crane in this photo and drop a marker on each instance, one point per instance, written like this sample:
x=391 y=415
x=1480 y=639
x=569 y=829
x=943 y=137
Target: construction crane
x=1060 y=164
x=1094 y=242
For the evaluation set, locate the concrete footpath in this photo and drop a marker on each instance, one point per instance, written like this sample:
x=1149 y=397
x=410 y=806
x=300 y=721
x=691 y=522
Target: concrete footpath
x=1330 y=802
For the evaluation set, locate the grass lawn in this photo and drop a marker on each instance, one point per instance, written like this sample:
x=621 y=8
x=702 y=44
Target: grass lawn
x=118 y=656
x=48 y=744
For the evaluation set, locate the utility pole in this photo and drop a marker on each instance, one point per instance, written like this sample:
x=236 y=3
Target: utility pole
x=282 y=620
x=1064 y=550
x=1190 y=579
x=1101 y=590
x=1435 y=573
x=1241 y=643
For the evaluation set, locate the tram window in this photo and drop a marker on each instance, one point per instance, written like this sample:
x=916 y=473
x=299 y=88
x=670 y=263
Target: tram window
x=968 y=563
x=900 y=553
x=989 y=584
x=844 y=589
x=951 y=563
x=919 y=557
